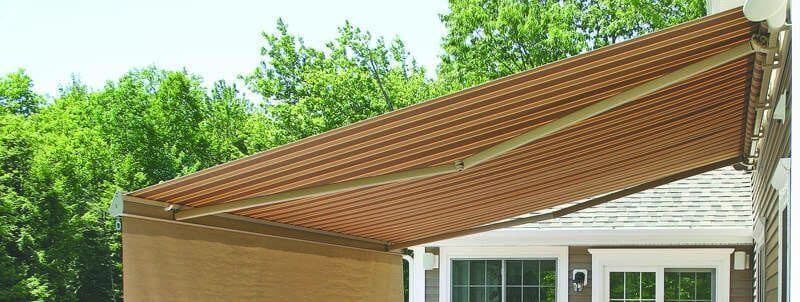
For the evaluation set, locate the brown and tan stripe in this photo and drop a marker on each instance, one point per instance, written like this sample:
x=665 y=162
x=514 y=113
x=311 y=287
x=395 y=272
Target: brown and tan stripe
x=688 y=125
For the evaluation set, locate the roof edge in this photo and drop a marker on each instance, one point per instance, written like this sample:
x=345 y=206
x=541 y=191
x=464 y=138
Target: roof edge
x=605 y=237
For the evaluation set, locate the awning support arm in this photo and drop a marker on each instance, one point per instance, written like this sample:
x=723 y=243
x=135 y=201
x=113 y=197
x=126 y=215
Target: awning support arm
x=316 y=191
x=568 y=210
x=561 y=123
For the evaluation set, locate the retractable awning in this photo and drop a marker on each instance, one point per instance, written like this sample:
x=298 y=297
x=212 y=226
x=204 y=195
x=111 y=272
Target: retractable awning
x=665 y=104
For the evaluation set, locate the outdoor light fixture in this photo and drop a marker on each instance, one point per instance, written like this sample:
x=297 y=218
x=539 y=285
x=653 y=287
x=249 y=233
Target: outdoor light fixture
x=430 y=261
x=580 y=278
x=740 y=260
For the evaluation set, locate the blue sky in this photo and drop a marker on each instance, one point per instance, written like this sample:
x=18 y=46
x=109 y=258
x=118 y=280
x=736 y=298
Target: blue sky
x=99 y=40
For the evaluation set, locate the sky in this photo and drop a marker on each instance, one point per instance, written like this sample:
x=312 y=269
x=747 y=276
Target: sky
x=99 y=40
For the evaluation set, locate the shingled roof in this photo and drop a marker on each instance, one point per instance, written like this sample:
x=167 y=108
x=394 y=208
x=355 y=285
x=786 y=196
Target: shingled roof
x=716 y=199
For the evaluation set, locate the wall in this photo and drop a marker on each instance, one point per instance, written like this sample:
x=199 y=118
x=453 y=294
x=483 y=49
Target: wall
x=765 y=197
x=579 y=258
x=741 y=280
x=172 y=262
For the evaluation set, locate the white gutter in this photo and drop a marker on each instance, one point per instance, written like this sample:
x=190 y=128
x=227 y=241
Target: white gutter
x=606 y=237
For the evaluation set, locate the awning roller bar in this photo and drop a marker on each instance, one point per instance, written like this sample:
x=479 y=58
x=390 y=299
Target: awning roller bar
x=489 y=153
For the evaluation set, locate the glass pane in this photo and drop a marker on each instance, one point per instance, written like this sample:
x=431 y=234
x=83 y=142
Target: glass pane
x=460 y=294
x=513 y=272
x=670 y=286
x=477 y=294
x=460 y=272
x=530 y=272
x=477 y=272
x=494 y=294
x=547 y=272
x=632 y=285
x=547 y=294
x=704 y=286
x=530 y=294
x=617 y=284
x=648 y=285
x=494 y=272
x=513 y=294
x=686 y=286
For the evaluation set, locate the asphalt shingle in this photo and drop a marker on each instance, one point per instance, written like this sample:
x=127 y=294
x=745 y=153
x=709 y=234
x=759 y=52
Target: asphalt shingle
x=719 y=198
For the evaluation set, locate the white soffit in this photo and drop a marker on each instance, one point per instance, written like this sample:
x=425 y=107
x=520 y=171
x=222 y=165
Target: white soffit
x=605 y=237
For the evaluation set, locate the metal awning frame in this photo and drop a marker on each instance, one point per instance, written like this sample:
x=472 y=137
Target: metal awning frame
x=489 y=153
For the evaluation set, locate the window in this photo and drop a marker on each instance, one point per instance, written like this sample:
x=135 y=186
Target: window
x=688 y=285
x=661 y=275
x=678 y=284
x=497 y=280
x=632 y=286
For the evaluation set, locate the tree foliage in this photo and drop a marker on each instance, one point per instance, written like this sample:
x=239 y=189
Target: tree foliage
x=488 y=39
x=62 y=158
x=60 y=166
x=354 y=77
x=16 y=94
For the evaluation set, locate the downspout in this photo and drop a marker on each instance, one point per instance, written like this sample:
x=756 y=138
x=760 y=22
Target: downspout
x=416 y=275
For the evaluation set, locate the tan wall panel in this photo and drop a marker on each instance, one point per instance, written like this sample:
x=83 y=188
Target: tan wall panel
x=765 y=198
x=170 y=262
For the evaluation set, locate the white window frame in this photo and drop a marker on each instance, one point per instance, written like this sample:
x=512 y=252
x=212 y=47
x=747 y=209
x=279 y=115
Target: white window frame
x=646 y=259
x=643 y=269
x=560 y=253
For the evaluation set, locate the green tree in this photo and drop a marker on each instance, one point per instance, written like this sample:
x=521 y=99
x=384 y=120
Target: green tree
x=16 y=94
x=356 y=76
x=61 y=164
x=62 y=159
x=17 y=282
x=606 y=22
x=488 y=39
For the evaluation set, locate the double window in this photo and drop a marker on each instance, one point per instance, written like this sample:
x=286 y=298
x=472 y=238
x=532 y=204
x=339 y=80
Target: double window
x=661 y=275
x=632 y=286
x=680 y=285
x=503 y=280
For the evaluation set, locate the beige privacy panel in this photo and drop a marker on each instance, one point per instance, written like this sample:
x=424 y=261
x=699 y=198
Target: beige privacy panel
x=171 y=262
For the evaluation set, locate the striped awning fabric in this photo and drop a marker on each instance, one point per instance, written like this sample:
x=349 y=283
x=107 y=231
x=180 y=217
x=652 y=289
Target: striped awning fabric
x=696 y=122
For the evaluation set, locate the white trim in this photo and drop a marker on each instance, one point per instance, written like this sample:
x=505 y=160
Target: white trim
x=604 y=237
x=416 y=276
x=782 y=183
x=780 y=180
x=560 y=253
x=758 y=231
x=604 y=260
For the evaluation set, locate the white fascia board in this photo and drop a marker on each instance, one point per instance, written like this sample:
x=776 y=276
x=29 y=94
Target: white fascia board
x=604 y=237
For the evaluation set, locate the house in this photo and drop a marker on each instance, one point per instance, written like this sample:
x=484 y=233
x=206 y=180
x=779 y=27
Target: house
x=332 y=216
x=696 y=229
